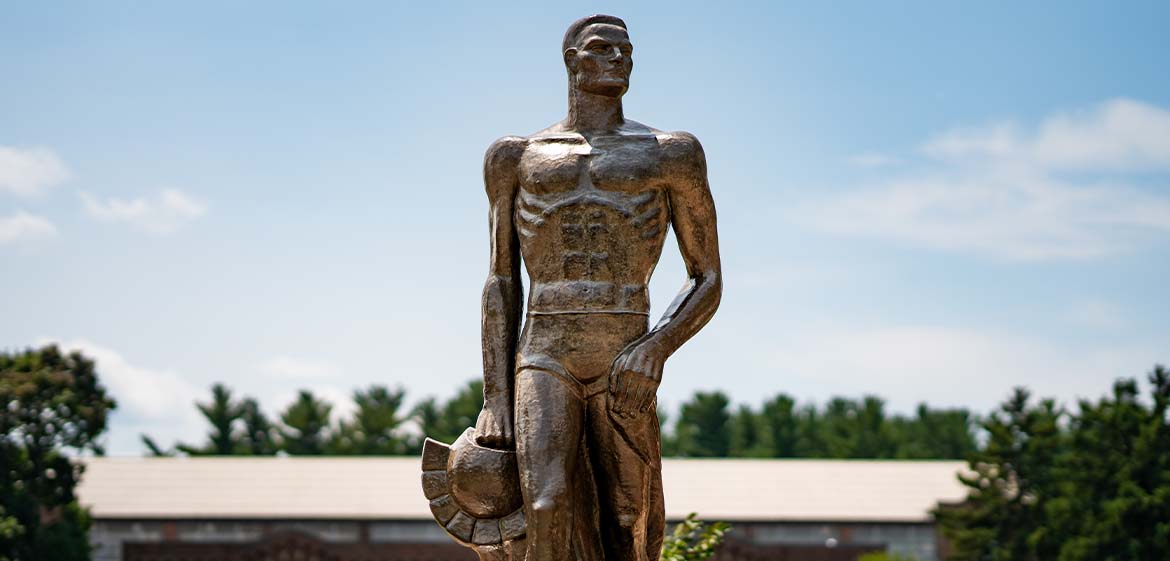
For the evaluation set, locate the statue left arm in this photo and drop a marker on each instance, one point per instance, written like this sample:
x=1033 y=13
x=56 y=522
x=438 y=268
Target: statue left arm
x=637 y=371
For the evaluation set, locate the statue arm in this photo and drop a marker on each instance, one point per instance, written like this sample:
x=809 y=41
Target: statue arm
x=638 y=371
x=502 y=296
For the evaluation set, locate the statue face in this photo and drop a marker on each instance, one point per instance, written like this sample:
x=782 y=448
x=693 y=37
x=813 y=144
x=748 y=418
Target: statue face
x=601 y=61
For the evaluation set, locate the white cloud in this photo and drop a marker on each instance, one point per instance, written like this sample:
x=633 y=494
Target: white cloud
x=294 y=368
x=23 y=226
x=30 y=171
x=1012 y=215
x=287 y=375
x=1118 y=135
x=999 y=190
x=168 y=211
x=157 y=402
x=1099 y=315
x=952 y=366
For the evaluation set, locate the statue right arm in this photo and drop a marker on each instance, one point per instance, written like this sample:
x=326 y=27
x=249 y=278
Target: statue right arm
x=502 y=295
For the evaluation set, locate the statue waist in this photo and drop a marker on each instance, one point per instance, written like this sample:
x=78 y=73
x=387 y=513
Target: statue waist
x=588 y=296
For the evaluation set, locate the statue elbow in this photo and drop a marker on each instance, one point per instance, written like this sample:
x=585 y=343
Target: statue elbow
x=714 y=281
x=717 y=290
x=497 y=293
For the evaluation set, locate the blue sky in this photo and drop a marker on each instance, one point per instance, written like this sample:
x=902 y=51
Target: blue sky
x=920 y=200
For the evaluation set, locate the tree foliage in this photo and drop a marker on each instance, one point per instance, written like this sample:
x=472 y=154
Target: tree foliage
x=693 y=540
x=305 y=429
x=54 y=403
x=446 y=421
x=842 y=428
x=1093 y=484
x=705 y=426
x=222 y=413
x=1113 y=490
x=258 y=437
x=376 y=424
x=703 y=429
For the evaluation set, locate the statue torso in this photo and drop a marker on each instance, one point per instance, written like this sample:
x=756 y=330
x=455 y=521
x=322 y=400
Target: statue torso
x=591 y=216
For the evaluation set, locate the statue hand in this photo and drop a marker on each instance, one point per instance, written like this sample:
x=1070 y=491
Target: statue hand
x=634 y=379
x=493 y=429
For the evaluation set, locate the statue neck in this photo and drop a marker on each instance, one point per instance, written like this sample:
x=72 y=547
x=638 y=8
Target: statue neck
x=592 y=113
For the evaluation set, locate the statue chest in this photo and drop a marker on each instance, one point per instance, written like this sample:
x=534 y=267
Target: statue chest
x=564 y=167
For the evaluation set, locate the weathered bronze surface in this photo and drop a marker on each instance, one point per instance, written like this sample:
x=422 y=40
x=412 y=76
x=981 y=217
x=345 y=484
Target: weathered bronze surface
x=584 y=205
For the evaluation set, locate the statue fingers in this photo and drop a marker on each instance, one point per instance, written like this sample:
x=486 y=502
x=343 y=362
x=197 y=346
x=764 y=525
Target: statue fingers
x=615 y=386
x=642 y=390
x=648 y=398
x=638 y=395
x=629 y=388
x=615 y=375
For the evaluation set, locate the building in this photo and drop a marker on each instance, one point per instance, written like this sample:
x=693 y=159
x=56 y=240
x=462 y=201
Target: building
x=371 y=508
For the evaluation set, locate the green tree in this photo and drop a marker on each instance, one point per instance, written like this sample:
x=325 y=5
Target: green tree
x=934 y=434
x=258 y=435
x=154 y=448
x=53 y=403
x=838 y=428
x=782 y=425
x=871 y=438
x=849 y=429
x=750 y=437
x=447 y=421
x=1113 y=495
x=810 y=434
x=1009 y=487
x=306 y=425
x=376 y=424
x=693 y=540
x=703 y=429
x=1096 y=490
x=223 y=414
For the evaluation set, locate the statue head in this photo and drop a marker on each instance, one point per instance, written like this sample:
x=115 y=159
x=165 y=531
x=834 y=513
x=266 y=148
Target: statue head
x=598 y=55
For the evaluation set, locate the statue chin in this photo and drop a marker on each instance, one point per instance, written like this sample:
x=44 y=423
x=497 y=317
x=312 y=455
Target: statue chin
x=607 y=88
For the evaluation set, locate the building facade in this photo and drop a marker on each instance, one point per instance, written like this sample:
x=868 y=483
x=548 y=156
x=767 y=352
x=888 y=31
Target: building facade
x=372 y=509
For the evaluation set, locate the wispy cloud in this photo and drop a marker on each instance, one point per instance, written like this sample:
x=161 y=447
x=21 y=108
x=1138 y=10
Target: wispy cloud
x=1118 y=135
x=1095 y=314
x=922 y=363
x=155 y=401
x=1007 y=192
x=30 y=171
x=147 y=393
x=23 y=226
x=166 y=212
x=287 y=367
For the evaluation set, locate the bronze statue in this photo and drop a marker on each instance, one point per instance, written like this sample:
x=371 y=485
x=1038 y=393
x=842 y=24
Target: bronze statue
x=584 y=205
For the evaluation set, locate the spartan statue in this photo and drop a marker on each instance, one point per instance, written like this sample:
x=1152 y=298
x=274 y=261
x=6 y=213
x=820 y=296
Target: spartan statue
x=584 y=207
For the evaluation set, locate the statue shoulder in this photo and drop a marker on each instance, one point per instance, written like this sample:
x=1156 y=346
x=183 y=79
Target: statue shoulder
x=683 y=154
x=500 y=165
x=504 y=153
x=681 y=145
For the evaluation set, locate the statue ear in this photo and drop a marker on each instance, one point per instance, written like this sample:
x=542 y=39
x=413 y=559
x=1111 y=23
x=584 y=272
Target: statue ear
x=571 y=60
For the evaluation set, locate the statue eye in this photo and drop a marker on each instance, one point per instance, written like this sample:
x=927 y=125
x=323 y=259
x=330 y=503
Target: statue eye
x=599 y=49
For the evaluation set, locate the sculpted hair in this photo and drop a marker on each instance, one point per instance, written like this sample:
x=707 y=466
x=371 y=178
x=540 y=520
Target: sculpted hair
x=571 y=34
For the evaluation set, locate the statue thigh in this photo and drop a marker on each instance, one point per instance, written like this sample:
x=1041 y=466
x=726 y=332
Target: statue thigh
x=626 y=456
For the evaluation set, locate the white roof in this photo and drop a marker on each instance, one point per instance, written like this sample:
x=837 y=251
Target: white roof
x=389 y=488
